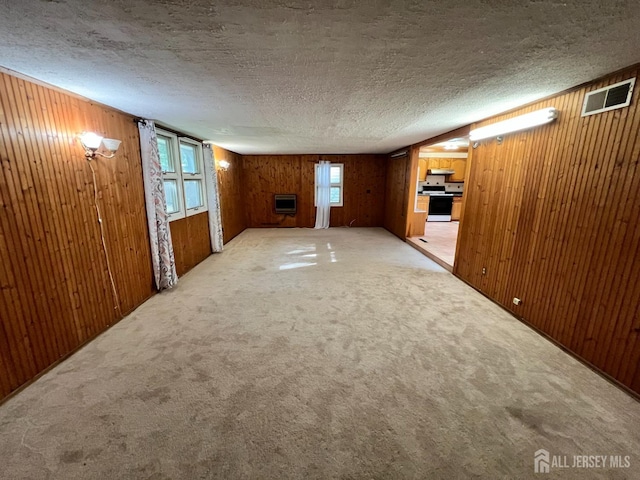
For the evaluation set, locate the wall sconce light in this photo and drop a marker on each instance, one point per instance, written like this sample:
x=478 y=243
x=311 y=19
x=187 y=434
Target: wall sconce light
x=522 y=122
x=92 y=143
x=224 y=165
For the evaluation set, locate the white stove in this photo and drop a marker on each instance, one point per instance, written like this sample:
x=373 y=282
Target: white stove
x=440 y=203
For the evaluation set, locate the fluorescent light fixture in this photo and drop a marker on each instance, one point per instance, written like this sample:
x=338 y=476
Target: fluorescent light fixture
x=523 y=122
x=443 y=154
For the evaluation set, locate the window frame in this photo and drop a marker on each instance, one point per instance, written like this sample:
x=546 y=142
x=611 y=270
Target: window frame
x=332 y=185
x=172 y=146
x=194 y=176
x=174 y=142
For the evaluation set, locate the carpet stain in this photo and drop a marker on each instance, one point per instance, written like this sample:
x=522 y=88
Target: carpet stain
x=73 y=456
x=162 y=394
x=528 y=419
x=201 y=377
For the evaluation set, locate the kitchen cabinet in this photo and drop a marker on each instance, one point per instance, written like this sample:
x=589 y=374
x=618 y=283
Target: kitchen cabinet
x=439 y=163
x=456 y=208
x=423 y=165
x=423 y=203
x=458 y=165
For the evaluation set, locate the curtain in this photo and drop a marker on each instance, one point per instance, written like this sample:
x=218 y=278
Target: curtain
x=213 y=199
x=323 y=194
x=162 y=258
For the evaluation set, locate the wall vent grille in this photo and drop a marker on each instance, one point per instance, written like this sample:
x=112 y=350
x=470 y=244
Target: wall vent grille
x=608 y=98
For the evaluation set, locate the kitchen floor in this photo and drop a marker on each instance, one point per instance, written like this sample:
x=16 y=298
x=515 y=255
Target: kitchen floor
x=440 y=245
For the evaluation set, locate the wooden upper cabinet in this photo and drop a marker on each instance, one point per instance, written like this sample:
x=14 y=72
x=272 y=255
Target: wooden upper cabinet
x=439 y=163
x=423 y=164
x=458 y=165
x=445 y=163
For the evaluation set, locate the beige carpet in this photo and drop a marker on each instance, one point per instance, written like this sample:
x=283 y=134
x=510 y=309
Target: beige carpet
x=316 y=354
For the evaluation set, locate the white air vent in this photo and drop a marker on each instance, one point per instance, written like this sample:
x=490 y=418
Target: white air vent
x=614 y=96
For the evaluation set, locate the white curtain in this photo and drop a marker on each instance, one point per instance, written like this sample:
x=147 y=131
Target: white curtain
x=323 y=194
x=213 y=199
x=162 y=258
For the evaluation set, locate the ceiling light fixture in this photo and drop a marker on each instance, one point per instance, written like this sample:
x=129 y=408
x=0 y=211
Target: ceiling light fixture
x=92 y=142
x=522 y=122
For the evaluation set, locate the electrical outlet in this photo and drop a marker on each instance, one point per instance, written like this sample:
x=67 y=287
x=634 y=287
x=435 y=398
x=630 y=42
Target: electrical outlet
x=484 y=271
x=516 y=301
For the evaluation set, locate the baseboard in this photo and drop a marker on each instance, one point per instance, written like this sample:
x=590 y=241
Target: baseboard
x=586 y=363
x=67 y=355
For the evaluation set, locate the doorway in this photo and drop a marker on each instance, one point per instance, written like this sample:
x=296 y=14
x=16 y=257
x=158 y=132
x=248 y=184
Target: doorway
x=440 y=189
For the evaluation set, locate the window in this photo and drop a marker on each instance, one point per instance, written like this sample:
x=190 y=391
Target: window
x=337 y=184
x=183 y=175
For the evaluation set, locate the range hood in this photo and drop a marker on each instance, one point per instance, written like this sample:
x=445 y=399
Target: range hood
x=440 y=171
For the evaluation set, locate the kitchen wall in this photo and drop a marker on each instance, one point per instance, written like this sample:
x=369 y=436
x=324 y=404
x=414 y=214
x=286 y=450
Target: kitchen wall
x=440 y=180
x=55 y=292
x=552 y=215
x=231 y=190
x=266 y=175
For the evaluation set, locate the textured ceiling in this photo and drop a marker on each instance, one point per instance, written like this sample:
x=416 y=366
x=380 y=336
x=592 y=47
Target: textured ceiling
x=341 y=76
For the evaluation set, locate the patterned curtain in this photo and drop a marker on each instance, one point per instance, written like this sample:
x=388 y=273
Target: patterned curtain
x=323 y=194
x=213 y=199
x=163 y=260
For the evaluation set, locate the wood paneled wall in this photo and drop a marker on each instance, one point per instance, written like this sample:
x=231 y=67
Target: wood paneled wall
x=266 y=175
x=191 y=241
x=553 y=215
x=398 y=178
x=232 y=199
x=412 y=191
x=55 y=293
